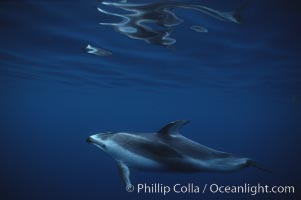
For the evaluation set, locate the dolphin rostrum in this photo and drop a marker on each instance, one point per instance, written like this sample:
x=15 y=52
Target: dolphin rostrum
x=165 y=150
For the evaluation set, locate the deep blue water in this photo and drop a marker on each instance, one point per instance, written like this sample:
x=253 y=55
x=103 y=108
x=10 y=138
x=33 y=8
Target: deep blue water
x=239 y=84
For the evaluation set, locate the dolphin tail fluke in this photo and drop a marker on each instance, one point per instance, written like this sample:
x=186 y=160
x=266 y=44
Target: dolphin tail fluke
x=258 y=166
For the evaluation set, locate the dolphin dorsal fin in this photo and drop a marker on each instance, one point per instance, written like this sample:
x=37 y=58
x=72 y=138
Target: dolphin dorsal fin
x=173 y=127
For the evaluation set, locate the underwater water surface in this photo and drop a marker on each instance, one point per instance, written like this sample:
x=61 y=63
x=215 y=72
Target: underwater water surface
x=69 y=69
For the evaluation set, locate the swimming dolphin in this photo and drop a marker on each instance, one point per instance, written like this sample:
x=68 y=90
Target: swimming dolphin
x=165 y=150
x=97 y=51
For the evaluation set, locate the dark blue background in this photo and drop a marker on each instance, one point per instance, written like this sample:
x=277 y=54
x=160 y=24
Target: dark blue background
x=238 y=84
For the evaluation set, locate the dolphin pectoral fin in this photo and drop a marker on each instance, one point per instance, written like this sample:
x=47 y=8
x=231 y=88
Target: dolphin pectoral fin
x=124 y=172
x=173 y=127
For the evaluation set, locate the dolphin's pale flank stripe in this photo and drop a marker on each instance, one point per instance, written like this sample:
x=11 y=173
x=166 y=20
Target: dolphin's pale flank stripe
x=165 y=150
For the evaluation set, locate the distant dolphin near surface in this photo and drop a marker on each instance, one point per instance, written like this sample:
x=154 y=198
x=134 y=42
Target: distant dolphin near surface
x=166 y=150
x=97 y=51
